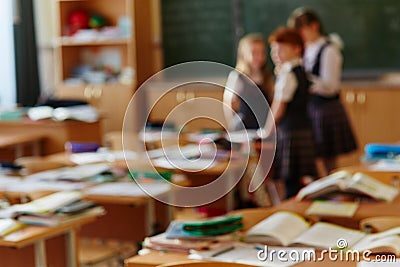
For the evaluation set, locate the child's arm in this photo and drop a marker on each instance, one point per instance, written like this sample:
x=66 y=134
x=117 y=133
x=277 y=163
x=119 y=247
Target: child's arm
x=328 y=83
x=278 y=108
x=230 y=99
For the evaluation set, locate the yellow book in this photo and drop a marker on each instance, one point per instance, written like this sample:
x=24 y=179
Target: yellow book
x=331 y=208
x=8 y=226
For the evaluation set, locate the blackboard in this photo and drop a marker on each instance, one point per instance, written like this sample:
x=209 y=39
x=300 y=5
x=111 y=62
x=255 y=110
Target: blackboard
x=197 y=30
x=203 y=29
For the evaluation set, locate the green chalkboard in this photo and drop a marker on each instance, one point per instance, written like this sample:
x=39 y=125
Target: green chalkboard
x=204 y=29
x=197 y=30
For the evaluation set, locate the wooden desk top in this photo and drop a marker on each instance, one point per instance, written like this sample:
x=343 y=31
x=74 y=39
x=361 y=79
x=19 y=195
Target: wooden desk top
x=47 y=122
x=122 y=200
x=155 y=258
x=30 y=234
x=252 y=216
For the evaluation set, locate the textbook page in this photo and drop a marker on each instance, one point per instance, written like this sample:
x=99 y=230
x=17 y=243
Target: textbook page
x=278 y=229
x=250 y=254
x=386 y=166
x=130 y=189
x=372 y=187
x=184 y=164
x=101 y=156
x=47 y=204
x=242 y=136
x=326 y=235
x=8 y=226
x=332 y=208
x=76 y=173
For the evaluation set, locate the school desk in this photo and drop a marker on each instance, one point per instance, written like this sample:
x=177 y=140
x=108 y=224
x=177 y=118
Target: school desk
x=19 y=140
x=124 y=219
x=37 y=236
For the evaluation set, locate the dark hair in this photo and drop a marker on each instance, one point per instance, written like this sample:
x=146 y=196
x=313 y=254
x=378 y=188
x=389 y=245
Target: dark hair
x=303 y=17
x=287 y=36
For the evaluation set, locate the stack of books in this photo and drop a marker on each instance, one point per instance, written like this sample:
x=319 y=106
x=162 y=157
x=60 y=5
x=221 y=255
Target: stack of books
x=210 y=234
x=52 y=210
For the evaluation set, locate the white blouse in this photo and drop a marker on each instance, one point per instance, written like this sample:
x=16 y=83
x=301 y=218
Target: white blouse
x=328 y=83
x=286 y=82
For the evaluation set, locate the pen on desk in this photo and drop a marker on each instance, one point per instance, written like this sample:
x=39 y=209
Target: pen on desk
x=223 y=251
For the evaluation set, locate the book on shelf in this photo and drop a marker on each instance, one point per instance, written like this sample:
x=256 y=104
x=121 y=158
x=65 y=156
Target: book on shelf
x=343 y=181
x=284 y=228
x=205 y=228
x=8 y=226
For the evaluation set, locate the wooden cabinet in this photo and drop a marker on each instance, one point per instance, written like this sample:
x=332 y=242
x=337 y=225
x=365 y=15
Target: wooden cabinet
x=104 y=66
x=194 y=106
x=374 y=115
x=110 y=100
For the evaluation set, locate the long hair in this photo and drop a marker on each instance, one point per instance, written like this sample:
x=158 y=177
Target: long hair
x=243 y=66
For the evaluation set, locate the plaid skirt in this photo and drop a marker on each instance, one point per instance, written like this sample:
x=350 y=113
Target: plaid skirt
x=331 y=128
x=294 y=158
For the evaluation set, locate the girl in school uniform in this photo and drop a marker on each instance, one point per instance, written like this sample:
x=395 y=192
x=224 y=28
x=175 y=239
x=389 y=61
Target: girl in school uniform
x=294 y=156
x=248 y=92
x=250 y=80
x=323 y=61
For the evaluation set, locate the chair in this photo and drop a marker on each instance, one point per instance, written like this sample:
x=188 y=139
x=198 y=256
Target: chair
x=379 y=223
x=96 y=252
x=203 y=264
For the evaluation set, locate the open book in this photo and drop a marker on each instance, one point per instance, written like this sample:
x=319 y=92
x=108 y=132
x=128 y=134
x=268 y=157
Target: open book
x=384 y=242
x=54 y=219
x=286 y=228
x=248 y=254
x=47 y=204
x=343 y=181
